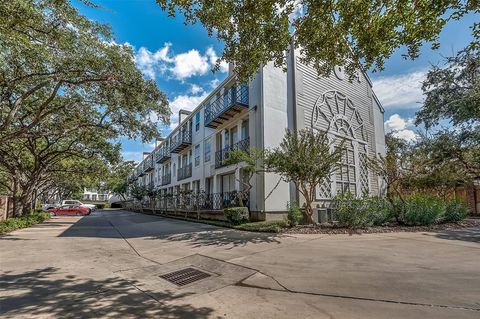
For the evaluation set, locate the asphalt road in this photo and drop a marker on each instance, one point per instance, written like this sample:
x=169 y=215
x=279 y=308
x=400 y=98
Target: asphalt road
x=109 y=264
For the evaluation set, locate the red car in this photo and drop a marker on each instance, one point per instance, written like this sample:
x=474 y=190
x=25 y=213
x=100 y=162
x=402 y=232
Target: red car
x=70 y=210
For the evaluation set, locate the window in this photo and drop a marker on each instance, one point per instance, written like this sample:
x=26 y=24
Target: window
x=197 y=155
x=197 y=121
x=207 y=148
x=346 y=174
x=244 y=132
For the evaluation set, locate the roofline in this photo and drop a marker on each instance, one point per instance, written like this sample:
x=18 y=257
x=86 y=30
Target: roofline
x=198 y=107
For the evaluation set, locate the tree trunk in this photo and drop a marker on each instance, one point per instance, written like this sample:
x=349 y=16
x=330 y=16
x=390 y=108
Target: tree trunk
x=309 y=212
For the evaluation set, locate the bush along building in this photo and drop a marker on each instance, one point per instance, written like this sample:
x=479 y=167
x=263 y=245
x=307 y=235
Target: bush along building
x=186 y=174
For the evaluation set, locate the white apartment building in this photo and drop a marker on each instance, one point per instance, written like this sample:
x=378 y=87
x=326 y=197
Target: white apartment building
x=187 y=167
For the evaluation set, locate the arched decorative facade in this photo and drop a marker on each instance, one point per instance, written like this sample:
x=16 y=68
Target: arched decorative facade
x=336 y=114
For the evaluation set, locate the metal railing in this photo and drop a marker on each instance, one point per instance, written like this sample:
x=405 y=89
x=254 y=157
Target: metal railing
x=162 y=154
x=234 y=95
x=184 y=172
x=201 y=201
x=222 y=155
x=166 y=179
x=183 y=138
x=148 y=163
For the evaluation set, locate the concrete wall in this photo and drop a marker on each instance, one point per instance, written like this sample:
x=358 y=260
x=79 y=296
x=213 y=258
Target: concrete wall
x=275 y=114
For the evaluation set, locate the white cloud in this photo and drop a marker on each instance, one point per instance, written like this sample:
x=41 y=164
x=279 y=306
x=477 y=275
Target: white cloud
x=214 y=83
x=214 y=58
x=408 y=135
x=184 y=102
x=195 y=89
x=400 y=127
x=181 y=66
x=400 y=91
x=189 y=64
x=132 y=156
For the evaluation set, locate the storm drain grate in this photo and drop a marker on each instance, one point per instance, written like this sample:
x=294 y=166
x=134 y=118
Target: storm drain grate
x=185 y=276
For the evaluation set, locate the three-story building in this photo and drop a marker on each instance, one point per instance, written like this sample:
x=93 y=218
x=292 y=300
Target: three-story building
x=188 y=171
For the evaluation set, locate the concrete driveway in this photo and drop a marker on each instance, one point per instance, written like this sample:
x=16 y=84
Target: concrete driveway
x=109 y=265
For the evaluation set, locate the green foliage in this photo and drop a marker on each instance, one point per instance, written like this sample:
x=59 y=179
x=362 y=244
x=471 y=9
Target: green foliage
x=304 y=158
x=455 y=211
x=138 y=192
x=117 y=178
x=423 y=210
x=452 y=92
x=249 y=164
x=380 y=209
x=352 y=212
x=14 y=223
x=328 y=33
x=294 y=215
x=236 y=215
x=67 y=90
x=273 y=226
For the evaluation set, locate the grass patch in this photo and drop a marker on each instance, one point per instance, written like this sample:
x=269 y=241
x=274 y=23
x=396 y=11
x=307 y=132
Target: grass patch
x=272 y=226
x=15 y=223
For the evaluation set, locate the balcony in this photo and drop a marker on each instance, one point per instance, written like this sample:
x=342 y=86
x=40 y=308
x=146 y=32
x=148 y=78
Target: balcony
x=232 y=102
x=184 y=172
x=162 y=155
x=166 y=179
x=222 y=155
x=181 y=141
x=148 y=164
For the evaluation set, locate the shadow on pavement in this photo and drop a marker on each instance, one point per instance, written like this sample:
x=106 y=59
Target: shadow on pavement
x=468 y=234
x=47 y=292
x=117 y=224
x=222 y=238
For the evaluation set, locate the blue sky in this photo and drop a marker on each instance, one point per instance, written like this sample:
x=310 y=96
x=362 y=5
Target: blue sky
x=180 y=57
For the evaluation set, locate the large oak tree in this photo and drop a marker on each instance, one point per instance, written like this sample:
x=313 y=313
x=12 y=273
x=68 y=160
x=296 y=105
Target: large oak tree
x=328 y=32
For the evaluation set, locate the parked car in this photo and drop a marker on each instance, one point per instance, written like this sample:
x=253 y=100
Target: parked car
x=70 y=210
x=78 y=203
x=49 y=206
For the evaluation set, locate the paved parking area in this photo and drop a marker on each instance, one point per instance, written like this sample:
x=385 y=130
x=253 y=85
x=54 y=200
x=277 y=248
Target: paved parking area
x=109 y=264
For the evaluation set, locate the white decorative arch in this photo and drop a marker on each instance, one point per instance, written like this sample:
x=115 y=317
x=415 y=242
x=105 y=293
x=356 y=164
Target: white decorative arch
x=336 y=113
x=341 y=114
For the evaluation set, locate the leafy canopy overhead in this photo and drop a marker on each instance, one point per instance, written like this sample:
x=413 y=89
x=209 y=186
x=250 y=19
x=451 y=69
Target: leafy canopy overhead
x=61 y=73
x=453 y=92
x=335 y=32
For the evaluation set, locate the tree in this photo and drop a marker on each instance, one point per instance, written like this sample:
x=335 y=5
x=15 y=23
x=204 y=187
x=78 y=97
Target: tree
x=57 y=65
x=329 y=33
x=248 y=162
x=67 y=90
x=138 y=192
x=307 y=159
x=117 y=179
x=453 y=92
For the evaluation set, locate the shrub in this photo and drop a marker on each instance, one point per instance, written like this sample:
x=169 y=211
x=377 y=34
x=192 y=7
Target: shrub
x=380 y=210
x=14 y=223
x=294 y=215
x=271 y=226
x=423 y=210
x=352 y=212
x=455 y=211
x=236 y=215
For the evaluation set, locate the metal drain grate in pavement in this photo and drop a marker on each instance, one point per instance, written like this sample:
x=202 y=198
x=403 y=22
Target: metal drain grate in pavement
x=185 y=276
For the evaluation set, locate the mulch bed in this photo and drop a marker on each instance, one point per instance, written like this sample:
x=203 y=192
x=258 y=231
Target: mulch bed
x=331 y=229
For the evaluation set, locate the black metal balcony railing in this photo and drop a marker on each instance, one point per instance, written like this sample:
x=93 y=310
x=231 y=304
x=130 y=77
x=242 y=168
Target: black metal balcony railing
x=162 y=155
x=202 y=201
x=184 y=172
x=166 y=179
x=226 y=106
x=222 y=155
x=181 y=141
x=140 y=171
x=148 y=164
